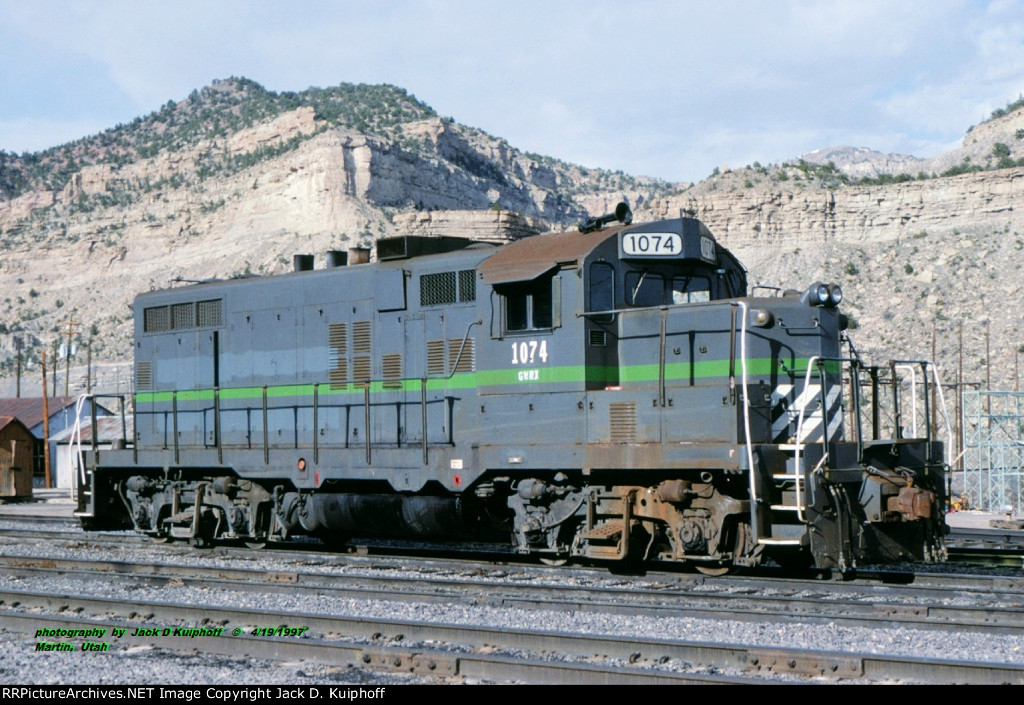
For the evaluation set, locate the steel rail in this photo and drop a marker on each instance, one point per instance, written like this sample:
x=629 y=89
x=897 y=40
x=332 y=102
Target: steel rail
x=372 y=653
x=863 y=611
x=646 y=660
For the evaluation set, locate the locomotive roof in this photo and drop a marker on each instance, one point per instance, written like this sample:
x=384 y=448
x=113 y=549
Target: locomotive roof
x=531 y=257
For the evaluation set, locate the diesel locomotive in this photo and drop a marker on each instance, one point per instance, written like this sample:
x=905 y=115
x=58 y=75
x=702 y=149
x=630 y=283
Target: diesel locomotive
x=612 y=393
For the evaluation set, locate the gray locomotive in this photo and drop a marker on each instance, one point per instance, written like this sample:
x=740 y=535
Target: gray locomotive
x=606 y=394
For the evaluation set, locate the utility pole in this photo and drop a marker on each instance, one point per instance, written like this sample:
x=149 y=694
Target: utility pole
x=988 y=359
x=935 y=402
x=88 y=366
x=72 y=325
x=1016 y=368
x=56 y=356
x=17 y=376
x=960 y=402
x=46 y=426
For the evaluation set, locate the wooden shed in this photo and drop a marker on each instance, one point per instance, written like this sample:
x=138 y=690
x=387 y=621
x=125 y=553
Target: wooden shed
x=16 y=443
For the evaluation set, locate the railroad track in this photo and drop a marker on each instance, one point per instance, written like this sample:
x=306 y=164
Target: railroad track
x=447 y=651
x=305 y=576
x=996 y=609
x=926 y=582
x=1004 y=547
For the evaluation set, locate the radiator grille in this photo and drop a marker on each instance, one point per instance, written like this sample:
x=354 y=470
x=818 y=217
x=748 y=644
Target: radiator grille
x=436 y=289
x=448 y=287
x=183 y=315
x=156 y=318
x=467 y=285
x=209 y=313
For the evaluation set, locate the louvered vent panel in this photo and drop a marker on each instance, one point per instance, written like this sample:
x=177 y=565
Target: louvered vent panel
x=391 y=369
x=598 y=338
x=466 y=363
x=361 y=368
x=338 y=375
x=144 y=375
x=361 y=337
x=337 y=338
x=435 y=358
x=209 y=313
x=622 y=420
x=183 y=316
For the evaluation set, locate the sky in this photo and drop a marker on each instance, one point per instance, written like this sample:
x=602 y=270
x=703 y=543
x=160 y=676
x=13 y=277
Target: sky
x=663 y=88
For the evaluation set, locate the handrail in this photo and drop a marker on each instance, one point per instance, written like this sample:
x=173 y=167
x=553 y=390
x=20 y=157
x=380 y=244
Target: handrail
x=913 y=393
x=316 y=424
x=818 y=362
x=366 y=417
x=458 y=358
x=216 y=425
x=174 y=410
x=80 y=476
x=797 y=472
x=945 y=415
x=654 y=307
x=76 y=443
x=746 y=411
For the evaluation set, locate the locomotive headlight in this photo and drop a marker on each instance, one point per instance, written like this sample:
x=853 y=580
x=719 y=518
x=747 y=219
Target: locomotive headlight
x=761 y=318
x=821 y=294
x=835 y=294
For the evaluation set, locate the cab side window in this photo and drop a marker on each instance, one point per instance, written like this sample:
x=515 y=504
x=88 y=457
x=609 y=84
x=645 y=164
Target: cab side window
x=528 y=305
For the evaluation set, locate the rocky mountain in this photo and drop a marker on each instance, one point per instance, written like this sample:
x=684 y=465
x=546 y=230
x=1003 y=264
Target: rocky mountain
x=236 y=179
x=990 y=145
x=861 y=162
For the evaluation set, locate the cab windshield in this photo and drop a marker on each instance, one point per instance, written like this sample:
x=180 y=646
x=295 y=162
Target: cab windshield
x=646 y=287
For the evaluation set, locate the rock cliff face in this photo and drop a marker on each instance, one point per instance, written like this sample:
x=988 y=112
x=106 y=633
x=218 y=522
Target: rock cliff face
x=119 y=216
x=916 y=260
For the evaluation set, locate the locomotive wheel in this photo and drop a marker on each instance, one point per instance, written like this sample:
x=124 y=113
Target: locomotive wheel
x=714 y=570
x=255 y=545
x=554 y=561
